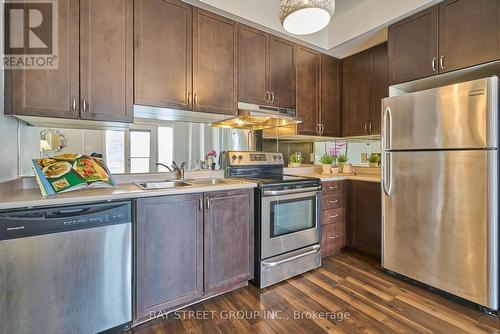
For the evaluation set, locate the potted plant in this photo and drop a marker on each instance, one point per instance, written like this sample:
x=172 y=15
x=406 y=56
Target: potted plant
x=374 y=160
x=210 y=158
x=296 y=160
x=327 y=161
x=341 y=160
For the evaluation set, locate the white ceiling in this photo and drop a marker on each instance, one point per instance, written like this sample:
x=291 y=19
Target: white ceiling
x=356 y=25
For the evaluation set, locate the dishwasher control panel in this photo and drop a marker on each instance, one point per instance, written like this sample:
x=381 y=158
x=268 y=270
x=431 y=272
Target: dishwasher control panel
x=20 y=224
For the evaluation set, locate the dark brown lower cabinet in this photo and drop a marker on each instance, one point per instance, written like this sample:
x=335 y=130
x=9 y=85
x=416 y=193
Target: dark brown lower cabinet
x=228 y=239
x=191 y=247
x=169 y=258
x=333 y=218
x=364 y=217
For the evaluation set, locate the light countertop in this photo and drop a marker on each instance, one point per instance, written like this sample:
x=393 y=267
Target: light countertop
x=12 y=197
x=340 y=177
x=24 y=193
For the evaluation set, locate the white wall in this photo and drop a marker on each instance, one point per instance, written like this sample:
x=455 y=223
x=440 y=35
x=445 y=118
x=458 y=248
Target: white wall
x=8 y=127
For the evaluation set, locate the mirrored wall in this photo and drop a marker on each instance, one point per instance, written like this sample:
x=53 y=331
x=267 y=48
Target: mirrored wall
x=142 y=148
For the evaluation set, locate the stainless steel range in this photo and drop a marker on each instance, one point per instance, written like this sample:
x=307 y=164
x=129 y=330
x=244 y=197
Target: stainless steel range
x=287 y=212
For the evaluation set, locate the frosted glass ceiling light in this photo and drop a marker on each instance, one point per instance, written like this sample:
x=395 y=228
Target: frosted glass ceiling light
x=302 y=17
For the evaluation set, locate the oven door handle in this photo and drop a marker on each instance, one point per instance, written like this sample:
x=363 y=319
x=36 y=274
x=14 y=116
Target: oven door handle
x=314 y=249
x=290 y=191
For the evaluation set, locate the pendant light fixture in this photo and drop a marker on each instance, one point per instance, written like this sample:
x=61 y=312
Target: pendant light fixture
x=303 y=17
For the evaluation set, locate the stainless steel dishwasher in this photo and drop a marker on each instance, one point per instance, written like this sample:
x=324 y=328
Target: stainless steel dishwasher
x=66 y=270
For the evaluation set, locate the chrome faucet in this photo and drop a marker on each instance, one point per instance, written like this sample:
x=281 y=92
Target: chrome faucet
x=179 y=170
x=163 y=165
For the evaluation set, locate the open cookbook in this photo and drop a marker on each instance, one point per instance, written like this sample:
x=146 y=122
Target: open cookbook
x=68 y=172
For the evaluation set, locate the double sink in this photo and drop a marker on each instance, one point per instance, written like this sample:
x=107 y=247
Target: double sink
x=175 y=184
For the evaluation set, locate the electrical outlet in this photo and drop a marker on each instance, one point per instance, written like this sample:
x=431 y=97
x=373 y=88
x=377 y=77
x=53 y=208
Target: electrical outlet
x=364 y=157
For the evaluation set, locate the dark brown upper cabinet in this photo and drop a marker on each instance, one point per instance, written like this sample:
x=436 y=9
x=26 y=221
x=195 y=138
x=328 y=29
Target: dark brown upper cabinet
x=163 y=54
x=356 y=94
x=308 y=90
x=106 y=60
x=413 y=47
x=469 y=33
x=95 y=84
x=215 y=63
x=365 y=84
x=331 y=92
x=266 y=69
x=452 y=35
x=282 y=72
x=50 y=93
x=379 y=86
x=253 y=82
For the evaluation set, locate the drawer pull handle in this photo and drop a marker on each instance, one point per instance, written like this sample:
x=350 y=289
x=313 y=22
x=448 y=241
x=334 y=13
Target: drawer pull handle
x=334 y=216
x=334 y=202
x=335 y=237
x=331 y=188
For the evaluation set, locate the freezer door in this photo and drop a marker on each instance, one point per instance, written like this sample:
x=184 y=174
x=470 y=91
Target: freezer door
x=440 y=220
x=457 y=116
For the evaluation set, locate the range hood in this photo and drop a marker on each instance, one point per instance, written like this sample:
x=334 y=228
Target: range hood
x=256 y=117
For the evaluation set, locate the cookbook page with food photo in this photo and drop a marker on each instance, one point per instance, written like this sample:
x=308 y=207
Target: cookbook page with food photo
x=67 y=172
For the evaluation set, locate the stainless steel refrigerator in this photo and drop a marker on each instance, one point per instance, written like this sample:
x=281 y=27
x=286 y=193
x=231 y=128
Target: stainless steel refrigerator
x=440 y=188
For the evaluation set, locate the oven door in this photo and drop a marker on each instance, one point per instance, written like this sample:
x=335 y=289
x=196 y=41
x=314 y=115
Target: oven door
x=290 y=220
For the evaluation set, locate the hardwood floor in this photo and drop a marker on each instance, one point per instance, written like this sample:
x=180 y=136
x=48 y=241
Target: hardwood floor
x=353 y=293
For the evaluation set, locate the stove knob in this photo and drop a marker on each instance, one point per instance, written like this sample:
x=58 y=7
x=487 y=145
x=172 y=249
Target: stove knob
x=279 y=157
x=275 y=157
x=240 y=157
x=233 y=157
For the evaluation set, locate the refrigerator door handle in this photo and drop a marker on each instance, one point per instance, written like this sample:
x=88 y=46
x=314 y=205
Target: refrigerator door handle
x=387 y=174
x=387 y=128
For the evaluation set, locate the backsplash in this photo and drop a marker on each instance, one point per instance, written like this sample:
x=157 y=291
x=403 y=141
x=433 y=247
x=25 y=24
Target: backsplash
x=357 y=150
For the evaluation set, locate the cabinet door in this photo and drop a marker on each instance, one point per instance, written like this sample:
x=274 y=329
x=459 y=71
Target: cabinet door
x=331 y=96
x=364 y=217
x=356 y=94
x=253 y=82
x=50 y=93
x=163 y=53
x=282 y=71
x=214 y=63
x=228 y=239
x=106 y=58
x=308 y=90
x=380 y=86
x=413 y=46
x=469 y=33
x=169 y=258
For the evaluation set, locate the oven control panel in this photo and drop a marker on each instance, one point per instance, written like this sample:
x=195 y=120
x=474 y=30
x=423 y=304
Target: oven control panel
x=254 y=158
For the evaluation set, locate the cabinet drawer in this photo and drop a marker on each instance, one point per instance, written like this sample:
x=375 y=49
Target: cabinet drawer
x=333 y=201
x=333 y=216
x=335 y=187
x=333 y=238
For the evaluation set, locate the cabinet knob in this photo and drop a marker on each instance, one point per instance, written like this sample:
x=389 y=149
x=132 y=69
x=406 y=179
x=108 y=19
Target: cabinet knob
x=272 y=97
x=441 y=62
x=434 y=64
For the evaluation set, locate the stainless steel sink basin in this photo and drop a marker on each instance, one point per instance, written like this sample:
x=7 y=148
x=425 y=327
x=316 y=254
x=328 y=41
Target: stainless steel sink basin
x=167 y=184
x=212 y=182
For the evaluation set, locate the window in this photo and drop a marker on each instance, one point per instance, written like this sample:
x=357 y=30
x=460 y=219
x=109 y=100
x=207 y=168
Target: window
x=165 y=146
x=115 y=151
x=140 y=152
